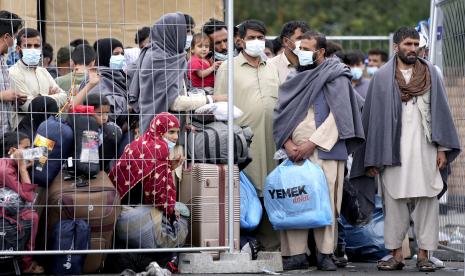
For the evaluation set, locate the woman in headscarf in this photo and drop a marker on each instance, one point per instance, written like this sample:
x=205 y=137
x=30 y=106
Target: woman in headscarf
x=143 y=174
x=112 y=82
x=158 y=84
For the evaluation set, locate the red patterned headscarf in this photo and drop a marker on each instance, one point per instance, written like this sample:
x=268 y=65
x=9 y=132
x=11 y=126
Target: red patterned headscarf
x=146 y=160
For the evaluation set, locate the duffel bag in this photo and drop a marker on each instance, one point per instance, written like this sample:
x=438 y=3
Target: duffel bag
x=211 y=143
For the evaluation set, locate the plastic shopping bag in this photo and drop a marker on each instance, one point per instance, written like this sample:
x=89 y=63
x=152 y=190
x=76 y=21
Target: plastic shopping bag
x=251 y=208
x=297 y=197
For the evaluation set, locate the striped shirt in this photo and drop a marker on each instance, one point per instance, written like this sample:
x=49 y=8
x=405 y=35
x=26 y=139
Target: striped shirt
x=6 y=108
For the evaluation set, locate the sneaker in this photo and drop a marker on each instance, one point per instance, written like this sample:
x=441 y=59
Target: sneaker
x=295 y=262
x=325 y=262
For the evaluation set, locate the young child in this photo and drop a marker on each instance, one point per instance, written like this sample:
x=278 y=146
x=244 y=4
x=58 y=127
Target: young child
x=14 y=175
x=143 y=174
x=109 y=132
x=200 y=70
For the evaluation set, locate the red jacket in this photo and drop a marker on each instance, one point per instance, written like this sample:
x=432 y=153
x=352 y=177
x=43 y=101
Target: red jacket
x=9 y=178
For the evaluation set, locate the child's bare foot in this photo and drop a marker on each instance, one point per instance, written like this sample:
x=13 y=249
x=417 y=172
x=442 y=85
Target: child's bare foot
x=34 y=269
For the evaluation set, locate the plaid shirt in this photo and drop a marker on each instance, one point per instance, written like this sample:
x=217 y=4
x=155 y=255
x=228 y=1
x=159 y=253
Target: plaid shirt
x=6 y=108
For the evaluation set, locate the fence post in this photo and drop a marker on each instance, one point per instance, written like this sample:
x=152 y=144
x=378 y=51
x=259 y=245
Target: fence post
x=230 y=23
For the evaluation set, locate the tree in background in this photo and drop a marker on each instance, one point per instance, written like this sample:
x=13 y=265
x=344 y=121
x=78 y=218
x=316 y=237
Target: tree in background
x=336 y=17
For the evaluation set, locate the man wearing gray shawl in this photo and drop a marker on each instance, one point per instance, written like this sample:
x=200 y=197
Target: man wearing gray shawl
x=158 y=84
x=410 y=139
x=317 y=117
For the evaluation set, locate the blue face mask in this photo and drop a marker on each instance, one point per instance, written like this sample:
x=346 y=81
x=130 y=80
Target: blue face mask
x=117 y=62
x=221 y=56
x=305 y=57
x=188 y=42
x=371 y=70
x=356 y=73
x=169 y=143
x=31 y=57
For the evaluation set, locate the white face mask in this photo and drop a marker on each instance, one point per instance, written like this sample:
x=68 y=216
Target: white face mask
x=170 y=144
x=188 y=42
x=12 y=48
x=117 y=62
x=305 y=57
x=371 y=70
x=356 y=73
x=31 y=57
x=254 y=48
x=297 y=48
x=220 y=56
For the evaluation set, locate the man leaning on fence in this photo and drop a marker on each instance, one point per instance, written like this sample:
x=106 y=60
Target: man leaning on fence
x=10 y=24
x=411 y=139
x=317 y=117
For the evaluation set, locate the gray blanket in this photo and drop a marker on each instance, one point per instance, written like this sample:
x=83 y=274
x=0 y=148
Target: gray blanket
x=160 y=69
x=298 y=94
x=382 y=123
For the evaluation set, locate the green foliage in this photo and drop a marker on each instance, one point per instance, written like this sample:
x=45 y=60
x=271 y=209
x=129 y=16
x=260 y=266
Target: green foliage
x=335 y=17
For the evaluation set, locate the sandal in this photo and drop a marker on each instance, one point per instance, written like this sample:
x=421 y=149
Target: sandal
x=390 y=265
x=34 y=269
x=425 y=265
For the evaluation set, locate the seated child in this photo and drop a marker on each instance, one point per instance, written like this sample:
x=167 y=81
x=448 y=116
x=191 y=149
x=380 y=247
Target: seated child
x=143 y=174
x=14 y=175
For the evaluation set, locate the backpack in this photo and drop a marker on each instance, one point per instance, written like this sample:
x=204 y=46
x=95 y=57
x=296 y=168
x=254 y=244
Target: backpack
x=69 y=235
x=211 y=143
x=12 y=238
x=57 y=137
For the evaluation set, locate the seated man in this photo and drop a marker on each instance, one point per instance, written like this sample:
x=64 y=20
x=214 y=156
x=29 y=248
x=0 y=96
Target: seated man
x=28 y=77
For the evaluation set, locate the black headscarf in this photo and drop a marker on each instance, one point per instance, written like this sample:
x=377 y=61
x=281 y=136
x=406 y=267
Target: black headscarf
x=104 y=48
x=39 y=110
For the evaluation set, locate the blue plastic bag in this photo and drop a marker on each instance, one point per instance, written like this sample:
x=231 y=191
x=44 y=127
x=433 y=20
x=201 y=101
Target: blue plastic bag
x=366 y=243
x=297 y=197
x=251 y=208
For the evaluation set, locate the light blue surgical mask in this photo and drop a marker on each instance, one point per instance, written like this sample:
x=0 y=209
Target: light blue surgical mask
x=305 y=57
x=356 y=73
x=117 y=62
x=221 y=56
x=371 y=70
x=31 y=57
x=188 y=42
x=169 y=143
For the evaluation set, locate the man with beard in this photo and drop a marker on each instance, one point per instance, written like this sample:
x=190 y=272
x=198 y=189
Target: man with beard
x=218 y=34
x=411 y=138
x=317 y=117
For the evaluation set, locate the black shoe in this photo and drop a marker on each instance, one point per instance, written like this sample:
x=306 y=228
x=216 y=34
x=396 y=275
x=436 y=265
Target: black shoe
x=295 y=262
x=340 y=261
x=325 y=262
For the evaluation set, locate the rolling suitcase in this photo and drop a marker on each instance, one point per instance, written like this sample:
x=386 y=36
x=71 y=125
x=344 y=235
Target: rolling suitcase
x=96 y=201
x=204 y=189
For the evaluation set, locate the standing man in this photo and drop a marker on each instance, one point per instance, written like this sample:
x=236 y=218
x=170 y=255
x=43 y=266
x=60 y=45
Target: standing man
x=10 y=24
x=287 y=61
x=218 y=34
x=317 y=117
x=411 y=139
x=376 y=59
x=255 y=93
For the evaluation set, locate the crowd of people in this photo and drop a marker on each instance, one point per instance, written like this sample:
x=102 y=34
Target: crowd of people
x=298 y=92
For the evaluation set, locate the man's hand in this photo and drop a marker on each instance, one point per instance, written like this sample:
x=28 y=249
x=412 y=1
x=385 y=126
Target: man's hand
x=291 y=150
x=217 y=64
x=441 y=160
x=220 y=98
x=372 y=171
x=10 y=95
x=53 y=90
x=305 y=150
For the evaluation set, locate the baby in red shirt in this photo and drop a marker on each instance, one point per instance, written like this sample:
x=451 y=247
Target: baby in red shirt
x=201 y=70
